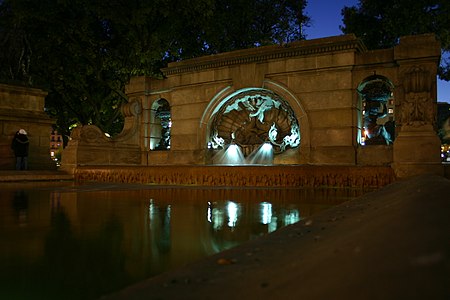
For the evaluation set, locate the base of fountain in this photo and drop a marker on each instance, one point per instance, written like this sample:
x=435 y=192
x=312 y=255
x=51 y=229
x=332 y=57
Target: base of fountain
x=241 y=176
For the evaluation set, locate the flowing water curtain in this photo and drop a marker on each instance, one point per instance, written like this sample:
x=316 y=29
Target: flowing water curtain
x=253 y=118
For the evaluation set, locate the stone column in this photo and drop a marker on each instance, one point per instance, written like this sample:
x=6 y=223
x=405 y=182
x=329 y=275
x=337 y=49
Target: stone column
x=417 y=146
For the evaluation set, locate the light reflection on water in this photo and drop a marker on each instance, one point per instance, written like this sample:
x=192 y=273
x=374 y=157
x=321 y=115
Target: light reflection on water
x=62 y=241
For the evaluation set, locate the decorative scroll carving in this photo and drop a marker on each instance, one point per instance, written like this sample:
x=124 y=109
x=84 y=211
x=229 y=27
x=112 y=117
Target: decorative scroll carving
x=132 y=108
x=76 y=134
x=417 y=108
x=92 y=134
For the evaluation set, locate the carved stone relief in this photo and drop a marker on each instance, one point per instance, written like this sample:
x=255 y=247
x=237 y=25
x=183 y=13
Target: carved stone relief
x=417 y=108
x=252 y=118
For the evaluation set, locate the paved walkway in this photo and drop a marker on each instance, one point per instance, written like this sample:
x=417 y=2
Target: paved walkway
x=389 y=244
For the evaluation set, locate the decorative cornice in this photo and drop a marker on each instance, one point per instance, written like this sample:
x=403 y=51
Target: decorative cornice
x=266 y=53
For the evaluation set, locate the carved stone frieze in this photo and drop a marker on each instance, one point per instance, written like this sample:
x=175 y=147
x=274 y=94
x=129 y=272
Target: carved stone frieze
x=273 y=176
x=417 y=108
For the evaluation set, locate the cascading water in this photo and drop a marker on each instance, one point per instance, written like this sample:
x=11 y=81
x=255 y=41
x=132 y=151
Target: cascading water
x=232 y=155
x=263 y=155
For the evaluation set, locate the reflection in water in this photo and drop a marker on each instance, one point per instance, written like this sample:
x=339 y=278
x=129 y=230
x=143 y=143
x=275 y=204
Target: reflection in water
x=20 y=205
x=266 y=213
x=73 y=263
x=233 y=211
x=81 y=242
x=160 y=226
x=291 y=216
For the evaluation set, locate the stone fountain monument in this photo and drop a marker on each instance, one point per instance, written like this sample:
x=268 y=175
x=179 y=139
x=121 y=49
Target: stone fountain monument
x=316 y=112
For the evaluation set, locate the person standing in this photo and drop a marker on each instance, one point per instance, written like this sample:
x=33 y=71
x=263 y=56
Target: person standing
x=20 y=145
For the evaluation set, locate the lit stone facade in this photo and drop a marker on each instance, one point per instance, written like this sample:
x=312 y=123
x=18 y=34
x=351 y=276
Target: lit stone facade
x=327 y=86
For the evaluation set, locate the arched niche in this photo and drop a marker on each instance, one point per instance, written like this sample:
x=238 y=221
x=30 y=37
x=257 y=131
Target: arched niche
x=254 y=124
x=161 y=123
x=377 y=115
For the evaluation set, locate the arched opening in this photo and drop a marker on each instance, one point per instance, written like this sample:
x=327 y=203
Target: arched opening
x=250 y=127
x=377 y=118
x=161 y=124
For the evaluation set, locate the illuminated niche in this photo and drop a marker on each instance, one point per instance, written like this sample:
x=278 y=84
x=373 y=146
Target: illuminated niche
x=161 y=124
x=251 y=126
x=377 y=120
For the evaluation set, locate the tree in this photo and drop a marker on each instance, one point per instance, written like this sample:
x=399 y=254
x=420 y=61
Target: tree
x=380 y=23
x=68 y=57
x=83 y=52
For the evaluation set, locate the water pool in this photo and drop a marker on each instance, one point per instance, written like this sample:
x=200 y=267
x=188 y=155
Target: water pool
x=70 y=241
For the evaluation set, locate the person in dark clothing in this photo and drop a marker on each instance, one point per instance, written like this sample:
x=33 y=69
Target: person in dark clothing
x=20 y=145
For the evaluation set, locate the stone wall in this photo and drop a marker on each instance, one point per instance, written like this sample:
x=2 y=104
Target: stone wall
x=319 y=79
x=23 y=107
x=314 y=76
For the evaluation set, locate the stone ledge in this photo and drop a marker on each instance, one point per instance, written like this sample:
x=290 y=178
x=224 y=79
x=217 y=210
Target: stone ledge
x=13 y=176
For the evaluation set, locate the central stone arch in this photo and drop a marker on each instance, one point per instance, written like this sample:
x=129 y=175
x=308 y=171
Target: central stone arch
x=258 y=123
x=252 y=117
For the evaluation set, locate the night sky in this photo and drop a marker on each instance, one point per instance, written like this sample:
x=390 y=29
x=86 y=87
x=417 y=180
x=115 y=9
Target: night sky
x=325 y=20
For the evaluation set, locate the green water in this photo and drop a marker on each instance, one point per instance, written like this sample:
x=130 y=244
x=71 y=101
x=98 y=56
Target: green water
x=66 y=241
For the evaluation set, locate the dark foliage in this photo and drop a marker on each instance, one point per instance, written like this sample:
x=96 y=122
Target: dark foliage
x=83 y=52
x=380 y=23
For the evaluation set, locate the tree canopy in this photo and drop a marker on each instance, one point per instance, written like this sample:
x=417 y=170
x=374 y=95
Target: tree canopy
x=83 y=52
x=380 y=23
